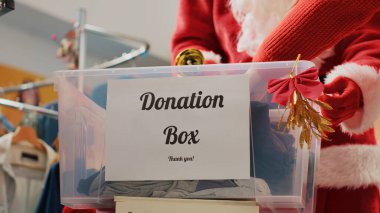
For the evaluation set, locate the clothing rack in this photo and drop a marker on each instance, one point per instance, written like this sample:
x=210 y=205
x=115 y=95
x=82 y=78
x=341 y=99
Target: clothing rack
x=124 y=57
x=81 y=28
x=25 y=86
x=27 y=107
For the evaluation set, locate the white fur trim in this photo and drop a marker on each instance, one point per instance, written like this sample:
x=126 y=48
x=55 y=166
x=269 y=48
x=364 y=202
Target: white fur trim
x=351 y=166
x=368 y=80
x=257 y=19
x=209 y=55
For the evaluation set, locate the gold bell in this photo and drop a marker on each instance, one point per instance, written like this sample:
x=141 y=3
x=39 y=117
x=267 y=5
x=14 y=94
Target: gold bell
x=189 y=57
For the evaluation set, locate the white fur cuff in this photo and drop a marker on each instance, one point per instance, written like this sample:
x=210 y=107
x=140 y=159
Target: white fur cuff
x=351 y=166
x=368 y=80
x=211 y=56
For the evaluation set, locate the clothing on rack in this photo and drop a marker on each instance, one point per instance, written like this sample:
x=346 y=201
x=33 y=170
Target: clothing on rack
x=50 y=200
x=48 y=127
x=23 y=171
x=7 y=124
x=30 y=119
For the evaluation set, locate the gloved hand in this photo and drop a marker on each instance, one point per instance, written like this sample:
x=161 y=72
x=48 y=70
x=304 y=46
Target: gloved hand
x=344 y=96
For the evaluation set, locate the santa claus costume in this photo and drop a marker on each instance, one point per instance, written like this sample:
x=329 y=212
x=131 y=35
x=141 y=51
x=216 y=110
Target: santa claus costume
x=233 y=31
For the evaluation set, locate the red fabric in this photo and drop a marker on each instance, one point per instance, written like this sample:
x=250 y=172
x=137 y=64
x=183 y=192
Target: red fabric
x=361 y=47
x=325 y=21
x=307 y=84
x=209 y=25
x=70 y=210
x=364 y=200
x=344 y=96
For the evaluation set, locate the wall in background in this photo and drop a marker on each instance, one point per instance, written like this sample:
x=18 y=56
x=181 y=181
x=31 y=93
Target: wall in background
x=26 y=43
x=26 y=54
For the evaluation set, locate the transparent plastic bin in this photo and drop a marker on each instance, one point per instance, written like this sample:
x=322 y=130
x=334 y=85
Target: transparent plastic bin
x=277 y=161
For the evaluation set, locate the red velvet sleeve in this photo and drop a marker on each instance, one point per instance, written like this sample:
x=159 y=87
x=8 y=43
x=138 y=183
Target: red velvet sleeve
x=363 y=46
x=195 y=27
x=360 y=53
x=313 y=26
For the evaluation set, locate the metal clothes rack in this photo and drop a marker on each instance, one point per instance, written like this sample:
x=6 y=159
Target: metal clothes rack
x=124 y=57
x=26 y=86
x=81 y=28
x=21 y=106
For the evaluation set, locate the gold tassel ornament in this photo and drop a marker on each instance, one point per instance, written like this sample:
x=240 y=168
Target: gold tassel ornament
x=303 y=115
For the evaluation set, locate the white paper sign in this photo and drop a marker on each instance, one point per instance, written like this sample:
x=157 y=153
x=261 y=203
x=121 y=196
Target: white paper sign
x=178 y=128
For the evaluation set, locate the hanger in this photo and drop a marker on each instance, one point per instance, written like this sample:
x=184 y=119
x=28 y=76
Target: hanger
x=27 y=133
